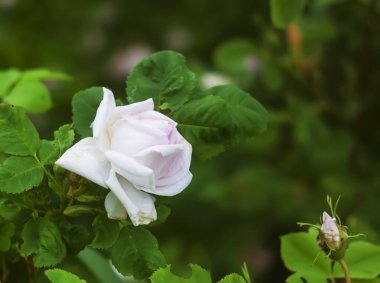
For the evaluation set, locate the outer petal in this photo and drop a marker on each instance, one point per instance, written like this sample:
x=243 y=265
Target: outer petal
x=85 y=159
x=171 y=190
x=114 y=207
x=131 y=170
x=101 y=122
x=139 y=205
x=134 y=109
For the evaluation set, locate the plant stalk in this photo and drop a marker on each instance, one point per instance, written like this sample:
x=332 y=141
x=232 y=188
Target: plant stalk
x=344 y=266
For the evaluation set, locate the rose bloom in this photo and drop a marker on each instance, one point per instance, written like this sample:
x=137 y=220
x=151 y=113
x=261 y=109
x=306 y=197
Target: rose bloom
x=135 y=151
x=330 y=230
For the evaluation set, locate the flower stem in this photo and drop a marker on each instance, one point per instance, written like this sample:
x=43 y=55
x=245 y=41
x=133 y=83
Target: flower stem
x=344 y=266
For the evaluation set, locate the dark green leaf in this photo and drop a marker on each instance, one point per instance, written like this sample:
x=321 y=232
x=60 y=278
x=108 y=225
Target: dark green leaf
x=62 y=276
x=18 y=174
x=136 y=253
x=223 y=115
x=77 y=210
x=107 y=232
x=199 y=275
x=18 y=136
x=42 y=240
x=85 y=104
x=7 y=79
x=7 y=229
x=162 y=76
x=163 y=213
x=77 y=236
x=284 y=12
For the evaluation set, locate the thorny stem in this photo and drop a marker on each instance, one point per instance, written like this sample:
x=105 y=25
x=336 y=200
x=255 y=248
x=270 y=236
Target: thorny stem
x=344 y=266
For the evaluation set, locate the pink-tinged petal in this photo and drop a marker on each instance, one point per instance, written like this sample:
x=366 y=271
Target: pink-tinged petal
x=173 y=189
x=134 y=109
x=85 y=159
x=139 y=205
x=131 y=170
x=114 y=208
x=101 y=122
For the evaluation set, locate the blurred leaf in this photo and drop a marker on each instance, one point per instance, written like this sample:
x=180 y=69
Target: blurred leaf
x=199 y=275
x=7 y=229
x=222 y=115
x=77 y=210
x=162 y=76
x=18 y=136
x=284 y=12
x=233 y=278
x=107 y=232
x=77 y=236
x=43 y=74
x=163 y=213
x=43 y=241
x=7 y=79
x=85 y=104
x=32 y=95
x=136 y=253
x=18 y=174
x=62 y=276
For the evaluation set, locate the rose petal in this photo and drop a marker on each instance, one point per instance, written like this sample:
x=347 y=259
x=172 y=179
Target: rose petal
x=171 y=190
x=139 y=205
x=85 y=159
x=101 y=122
x=114 y=208
x=134 y=109
x=131 y=170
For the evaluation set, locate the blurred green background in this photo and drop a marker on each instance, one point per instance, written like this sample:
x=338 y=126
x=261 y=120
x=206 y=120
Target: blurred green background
x=319 y=78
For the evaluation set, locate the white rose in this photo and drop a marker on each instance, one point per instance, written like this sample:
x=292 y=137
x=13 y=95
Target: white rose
x=134 y=151
x=330 y=229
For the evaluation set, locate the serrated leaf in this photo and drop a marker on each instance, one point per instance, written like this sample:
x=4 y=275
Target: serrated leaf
x=85 y=104
x=136 y=253
x=62 y=276
x=18 y=174
x=48 y=152
x=284 y=12
x=31 y=95
x=7 y=79
x=42 y=241
x=7 y=229
x=106 y=232
x=64 y=137
x=162 y=76
x=198 y=275
x=232 y=278
x=77 y=236
x=18 y=136
x=221 y=116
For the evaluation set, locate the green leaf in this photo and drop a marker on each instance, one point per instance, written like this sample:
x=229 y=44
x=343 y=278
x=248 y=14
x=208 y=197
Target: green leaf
x=18 y=174
x=32 y=95
x=77 y=210
x=163 y=213
x=7 y=229
x=43 y=74
x=48 y=152
x=136 y=253
x=7 y=79
x=62 y=276
x=283 y=12
x=298 y=251
x=85 y=104
x=199 y=275
x=107 y=232
x=221 y=116
x=64 y=137
x=162 y=76
x=18 y=136
x=232 y=278
x=42 y=240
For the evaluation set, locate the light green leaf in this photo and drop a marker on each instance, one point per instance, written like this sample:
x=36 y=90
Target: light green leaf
x=232 y=278
x=107 y=232
x=283 y=12
x=18 y=136
x=48 y=152
x=32 y=95
x=18 y=174
x=43 y=74
x=221 y=116
x=42 y=240
x=162 y=76
x=136 y=253
x=62 y=276
x=7 y=229
x=85 y=104
x=7 y=79
x=64 y=137
x=164 y=275
x=294 y=278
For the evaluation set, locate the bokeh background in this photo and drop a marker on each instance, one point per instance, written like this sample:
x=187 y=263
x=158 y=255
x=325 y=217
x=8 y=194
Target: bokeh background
x=319 y=79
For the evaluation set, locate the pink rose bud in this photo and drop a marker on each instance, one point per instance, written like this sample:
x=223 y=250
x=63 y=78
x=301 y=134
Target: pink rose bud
x=330 y=230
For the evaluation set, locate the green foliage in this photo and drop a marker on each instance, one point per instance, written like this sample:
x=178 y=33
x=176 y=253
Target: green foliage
x=201 y=122
x=18 y=174
x=7 y=229
x=164 y=77
x=85 y=104
x=7 y=79
x=106 y=232
x=42 y=240
x=136 y=253
x=299 y=250
x=18 y=136
x=62 y=276
x=283 y=12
